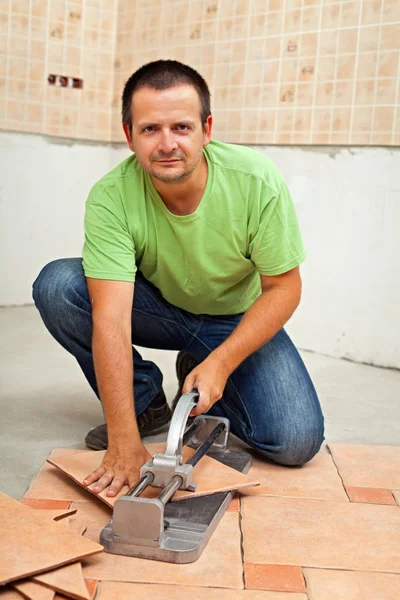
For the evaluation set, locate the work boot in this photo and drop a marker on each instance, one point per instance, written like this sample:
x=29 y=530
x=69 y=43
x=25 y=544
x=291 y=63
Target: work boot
x=156 y=415
x=185 y=363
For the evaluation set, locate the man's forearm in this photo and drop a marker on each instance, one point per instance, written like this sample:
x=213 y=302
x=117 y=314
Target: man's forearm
x=112 y=355
x=265 y=317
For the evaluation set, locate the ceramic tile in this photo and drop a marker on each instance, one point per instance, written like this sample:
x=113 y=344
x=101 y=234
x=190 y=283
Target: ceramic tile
x=10 y=594
x=323 y=584
x=34 y=591
x=367 y=466
x=30 y=546
x=51 y=483
x=95 y=515
x=317 y=479
x=370 y=495
x=45 y=504
x=322 y=534
x=55 y=515
x=91 y=585
x=285 y=578
x=220 y=564
x=67 y=580
x=210 y=475
x=396 y=494
x=126 y=591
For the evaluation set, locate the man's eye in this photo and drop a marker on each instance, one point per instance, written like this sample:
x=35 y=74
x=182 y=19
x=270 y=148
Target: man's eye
x=148 y=129
x=183 y=127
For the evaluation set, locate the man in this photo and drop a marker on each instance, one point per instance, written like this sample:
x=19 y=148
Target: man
x=190 y=245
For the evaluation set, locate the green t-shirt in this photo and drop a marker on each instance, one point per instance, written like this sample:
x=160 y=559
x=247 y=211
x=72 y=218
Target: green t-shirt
x=207 y=262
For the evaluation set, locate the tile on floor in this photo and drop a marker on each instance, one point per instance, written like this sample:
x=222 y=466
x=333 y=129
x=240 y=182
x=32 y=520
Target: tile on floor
x=317 y=479
x=108 y=590
x=371 y=495
x=396 y=494
x=279 y=578
x=323 y=584
x=51 y=484
x=322 y=534
x=220 y=564
x=362 y=465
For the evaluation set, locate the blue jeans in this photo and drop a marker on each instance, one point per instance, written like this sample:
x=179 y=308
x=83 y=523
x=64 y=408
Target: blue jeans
x=269 y=399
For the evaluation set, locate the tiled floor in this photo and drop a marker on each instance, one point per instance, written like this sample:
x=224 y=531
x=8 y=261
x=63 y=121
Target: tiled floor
x=325 y=531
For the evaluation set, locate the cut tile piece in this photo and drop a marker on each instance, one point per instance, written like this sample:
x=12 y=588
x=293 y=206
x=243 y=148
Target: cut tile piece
x=45 y=504
x=67 y=580
x=336 y=535
x=10 y=594
x=280 y=578
x=317 y=479
x=52 y=484
x=368 y=466
x=30 y=546
x=324 y=584
x=210 y=475
x=396 y=494
x=34 y=591
x=95 y=515
x=220 y=564
x=91 y=585
x=370 y=495
x=54 y=515
x=126 y=591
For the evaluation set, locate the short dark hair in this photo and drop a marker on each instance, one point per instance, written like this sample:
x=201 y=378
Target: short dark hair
x=161 y=75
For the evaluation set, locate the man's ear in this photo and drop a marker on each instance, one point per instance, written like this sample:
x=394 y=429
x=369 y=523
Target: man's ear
x=207 y=130
x=127 y=132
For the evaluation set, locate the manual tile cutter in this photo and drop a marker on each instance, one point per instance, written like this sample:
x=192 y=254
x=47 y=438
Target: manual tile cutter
x=175 y=532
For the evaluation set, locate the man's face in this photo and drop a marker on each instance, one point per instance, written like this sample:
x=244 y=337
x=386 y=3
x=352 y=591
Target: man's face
x=167 y=134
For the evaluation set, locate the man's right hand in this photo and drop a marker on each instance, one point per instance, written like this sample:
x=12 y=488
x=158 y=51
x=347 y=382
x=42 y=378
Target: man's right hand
x=120 y=466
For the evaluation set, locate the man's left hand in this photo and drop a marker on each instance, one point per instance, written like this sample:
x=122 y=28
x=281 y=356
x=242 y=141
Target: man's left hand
x=209 y=378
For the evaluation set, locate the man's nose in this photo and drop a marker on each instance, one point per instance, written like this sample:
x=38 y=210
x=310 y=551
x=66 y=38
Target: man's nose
x=167 y=141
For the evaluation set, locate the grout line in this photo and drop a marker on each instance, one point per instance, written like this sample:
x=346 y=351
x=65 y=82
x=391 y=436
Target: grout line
x=279 y=76
x=371 y=131
x=316 y=77
x=353 y=95
x=241 y=540
x=337 y=469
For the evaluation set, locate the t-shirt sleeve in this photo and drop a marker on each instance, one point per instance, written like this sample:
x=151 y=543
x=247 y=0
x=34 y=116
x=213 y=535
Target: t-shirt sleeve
x=277 y=246
x=109 y=250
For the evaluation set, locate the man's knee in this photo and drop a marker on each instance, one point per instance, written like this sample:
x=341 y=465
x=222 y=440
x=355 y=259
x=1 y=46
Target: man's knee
x=54 y=280
x=294 y=450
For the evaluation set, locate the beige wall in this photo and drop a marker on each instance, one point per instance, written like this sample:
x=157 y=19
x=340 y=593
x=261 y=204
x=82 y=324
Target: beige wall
x=280 y=71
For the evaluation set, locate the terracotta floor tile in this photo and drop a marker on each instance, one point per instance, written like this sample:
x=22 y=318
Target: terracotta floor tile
x=95 y=515
x=30 y=546
x=368 y=466
x=127 y=591
x=210 y=475
x=43 y=504
x=396 y=494
x=34 y=591
x=91 y=585
x=323 y=534
x=370 y=495
x=317 y=479
x=51 y=483
x=323 y=584
x=66 y=580
x=10 y=594
x=234 y=505
x=54 y=515
x=280 y=578
x=220 y=564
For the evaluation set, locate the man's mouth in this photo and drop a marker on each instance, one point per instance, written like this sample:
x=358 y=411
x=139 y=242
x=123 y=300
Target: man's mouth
x=172 y=160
